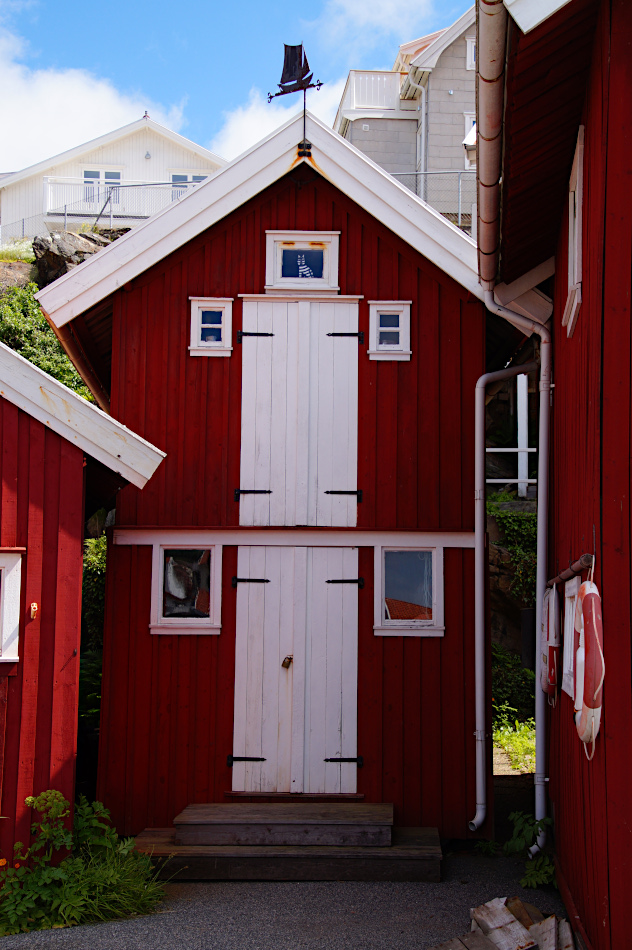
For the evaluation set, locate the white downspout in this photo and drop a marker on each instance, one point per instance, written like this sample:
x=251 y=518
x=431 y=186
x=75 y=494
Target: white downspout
x=479 y=582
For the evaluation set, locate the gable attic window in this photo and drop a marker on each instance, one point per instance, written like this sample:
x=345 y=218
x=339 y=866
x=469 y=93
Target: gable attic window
x=470 y=54
x=389 y=330
x=186 y=589
x=408 y=591
x=575 y=201
x=10 y=581
x=302 y=261
x=211 y=326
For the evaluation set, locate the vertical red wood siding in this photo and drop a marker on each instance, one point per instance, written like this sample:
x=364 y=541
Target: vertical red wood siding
x=591 y=492
x=41 y=509
x=167 y=714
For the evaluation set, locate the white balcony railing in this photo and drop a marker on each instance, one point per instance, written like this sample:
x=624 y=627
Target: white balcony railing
x=371 y=89
x=75 y=198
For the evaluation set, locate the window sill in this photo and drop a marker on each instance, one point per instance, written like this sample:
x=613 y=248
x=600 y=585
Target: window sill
x=208 y=351
x=409 y=631
x=401 y=355
x=201 y=630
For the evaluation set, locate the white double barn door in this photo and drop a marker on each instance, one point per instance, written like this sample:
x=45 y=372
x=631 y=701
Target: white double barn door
x=293 y=717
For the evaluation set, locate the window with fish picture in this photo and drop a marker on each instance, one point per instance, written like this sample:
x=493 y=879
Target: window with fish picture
x=211 y=326
x=302 y=260
x=408 y=591
x=186 y=589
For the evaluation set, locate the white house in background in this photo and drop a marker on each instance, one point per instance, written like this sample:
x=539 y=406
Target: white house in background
x=126 y=176
x=412 y=120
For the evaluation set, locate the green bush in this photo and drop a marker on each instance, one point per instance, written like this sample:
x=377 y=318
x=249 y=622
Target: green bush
x=519 y=529
x=517 y=739
x=104 y=878
x=540 y=869
x=93 y=597
x=25 y=329
x=513 y=688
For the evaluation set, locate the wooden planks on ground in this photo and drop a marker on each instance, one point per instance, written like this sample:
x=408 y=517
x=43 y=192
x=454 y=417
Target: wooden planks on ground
x=512 y=924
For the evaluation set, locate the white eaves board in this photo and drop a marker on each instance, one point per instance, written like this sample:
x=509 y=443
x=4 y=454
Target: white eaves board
x=348 y=169
x=76 y=420
x=530 y=13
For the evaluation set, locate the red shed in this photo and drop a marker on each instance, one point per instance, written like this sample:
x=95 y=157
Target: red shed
x=47 y=434
x=289 y=606
x=567 y=207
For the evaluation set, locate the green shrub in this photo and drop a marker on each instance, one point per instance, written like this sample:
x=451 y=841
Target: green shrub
x=513 y=688
x=540 y=869
x=519 y=529
x=25 y=329
x=93 y=595
x=517 y=739
x=104 y=878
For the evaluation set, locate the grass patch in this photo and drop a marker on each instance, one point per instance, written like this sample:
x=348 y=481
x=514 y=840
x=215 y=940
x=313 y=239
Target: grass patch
x=517 y=739
x=18 y=251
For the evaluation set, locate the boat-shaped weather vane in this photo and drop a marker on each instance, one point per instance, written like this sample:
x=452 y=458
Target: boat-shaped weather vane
x=296 y=77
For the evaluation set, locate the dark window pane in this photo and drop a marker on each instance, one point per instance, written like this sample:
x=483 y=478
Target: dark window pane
x=389 y=338
x=389 y=319
x=211 y=317
x=408 y=585
x=211 y=335
x=199 y=177
x=186 y=589
x=112 y=176
x=302 y=263
x=91 y=174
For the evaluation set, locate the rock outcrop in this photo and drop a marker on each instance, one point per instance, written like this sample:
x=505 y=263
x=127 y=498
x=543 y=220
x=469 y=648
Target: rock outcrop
x=58 y=252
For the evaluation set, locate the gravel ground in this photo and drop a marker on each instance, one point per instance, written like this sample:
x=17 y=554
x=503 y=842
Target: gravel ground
x=327 y=915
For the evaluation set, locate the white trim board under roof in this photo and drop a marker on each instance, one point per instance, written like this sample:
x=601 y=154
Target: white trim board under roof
x=123 y=132
x=429 y=57
x=348 y=169
x=530 y=13
x=76 y=420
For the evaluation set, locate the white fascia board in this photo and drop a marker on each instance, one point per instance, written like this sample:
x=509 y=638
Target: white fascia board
x=340 y=114
x=102 y=140
x=429 y=57
x=528 y=14
x=345 y=166
x=76 y=420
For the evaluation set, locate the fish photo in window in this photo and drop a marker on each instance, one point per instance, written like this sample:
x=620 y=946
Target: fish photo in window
x=186 y=583
x=408 y=585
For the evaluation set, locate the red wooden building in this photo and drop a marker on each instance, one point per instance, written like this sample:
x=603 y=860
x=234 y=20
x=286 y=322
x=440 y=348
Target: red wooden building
x=289 y=600
x=567 y=200
x=53 y=442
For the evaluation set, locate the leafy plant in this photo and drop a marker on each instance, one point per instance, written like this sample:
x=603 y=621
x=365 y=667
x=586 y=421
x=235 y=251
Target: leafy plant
x=513 y=688
x=93 y=598
x=487 y=849
x=519 y=529
x=518 y=741
x=17 y=250
x=25 y=329
x=103 y=879
x=539 y=870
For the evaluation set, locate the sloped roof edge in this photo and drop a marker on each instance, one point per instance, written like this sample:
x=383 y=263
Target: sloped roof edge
x=530 y=13
x=123 y=132
x=429 y=57
x=76 y=420
x=337 y=160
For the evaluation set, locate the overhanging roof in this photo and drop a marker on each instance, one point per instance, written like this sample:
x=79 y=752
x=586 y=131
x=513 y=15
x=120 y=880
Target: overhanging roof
x=123 y=132
x=334 y=158
x=76 y=420
x=429 y=57
x=530 y=13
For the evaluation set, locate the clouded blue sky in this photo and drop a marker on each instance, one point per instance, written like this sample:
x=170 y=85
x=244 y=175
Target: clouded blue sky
x=70 y=71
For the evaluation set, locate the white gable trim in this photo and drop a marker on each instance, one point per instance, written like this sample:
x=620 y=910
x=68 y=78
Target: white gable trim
x=79 y=150
x=76 y=420
x=346 y=167
x=530 y=13
x=429 y=57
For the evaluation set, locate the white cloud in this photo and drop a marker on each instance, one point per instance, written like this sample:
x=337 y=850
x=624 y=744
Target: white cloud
x=363 y=25
x=46 y=111
x=249 y=123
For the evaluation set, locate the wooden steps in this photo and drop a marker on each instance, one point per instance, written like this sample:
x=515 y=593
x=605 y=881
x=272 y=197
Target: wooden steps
x=414 y=855
x=341 y=824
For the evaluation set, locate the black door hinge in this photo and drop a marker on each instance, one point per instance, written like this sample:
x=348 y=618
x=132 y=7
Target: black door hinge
x=351 y=580
x=241 y=758
x=242 y=333
x=251 y=491
x=345 y=492
x=360 y=335
x=358 y=760
x=249 y=580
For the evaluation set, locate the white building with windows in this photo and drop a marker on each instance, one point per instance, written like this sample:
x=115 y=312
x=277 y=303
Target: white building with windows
x=120 y=178
x=413 y=119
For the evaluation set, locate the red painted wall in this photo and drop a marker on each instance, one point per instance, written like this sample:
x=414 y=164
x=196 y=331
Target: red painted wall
x=167 y=714
x=592 y=416
x=41 y=509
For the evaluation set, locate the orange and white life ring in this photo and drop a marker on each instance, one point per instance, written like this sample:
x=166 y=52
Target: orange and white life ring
x=550 y=643
x=590 y=667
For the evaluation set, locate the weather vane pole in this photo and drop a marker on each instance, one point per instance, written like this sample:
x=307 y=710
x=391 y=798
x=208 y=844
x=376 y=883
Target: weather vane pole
x=296 y=77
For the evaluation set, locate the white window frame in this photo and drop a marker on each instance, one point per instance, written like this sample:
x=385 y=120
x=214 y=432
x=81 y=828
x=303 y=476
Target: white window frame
x=224 y=347
x=327 y=241
x=408 y=628
x=186 y=625
x=387 y=352
x=10 y=593
x=571 y=590
x=470 y=52
x=469 y=121
x=575 y=232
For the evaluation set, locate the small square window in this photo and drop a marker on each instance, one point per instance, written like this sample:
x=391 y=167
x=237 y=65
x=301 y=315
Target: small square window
x=302 y=261
x=408 y=587
x=10 y=583
x=211 y=326
x=389 y=330
x=186 y=589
